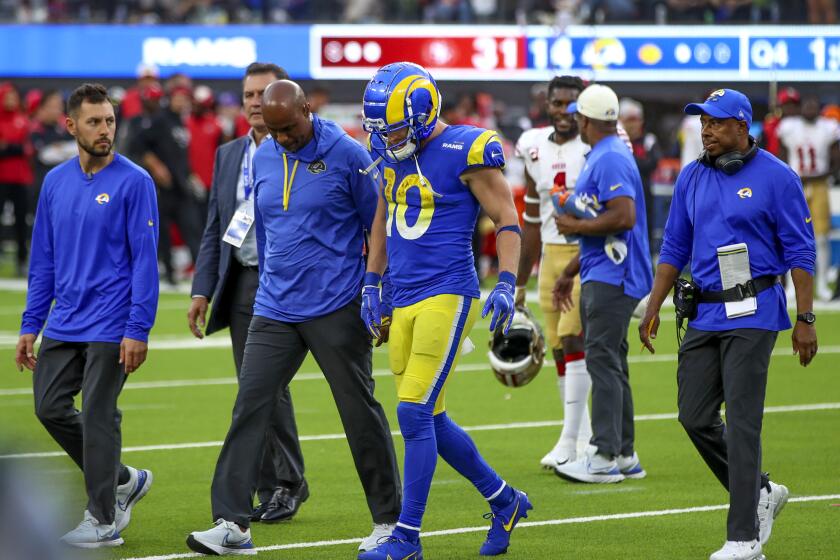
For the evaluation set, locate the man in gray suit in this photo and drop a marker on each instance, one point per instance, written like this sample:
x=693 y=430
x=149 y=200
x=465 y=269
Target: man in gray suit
x=226 y=272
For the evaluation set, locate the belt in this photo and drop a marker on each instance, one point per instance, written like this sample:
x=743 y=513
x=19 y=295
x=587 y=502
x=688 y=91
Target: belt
x=740 y=292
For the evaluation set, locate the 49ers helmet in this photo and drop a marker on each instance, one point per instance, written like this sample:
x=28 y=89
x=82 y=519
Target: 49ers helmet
x=517 y=357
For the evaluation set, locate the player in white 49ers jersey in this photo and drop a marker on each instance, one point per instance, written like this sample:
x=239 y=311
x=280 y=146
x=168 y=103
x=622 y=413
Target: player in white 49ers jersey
x=809 y=144
x=555 y=155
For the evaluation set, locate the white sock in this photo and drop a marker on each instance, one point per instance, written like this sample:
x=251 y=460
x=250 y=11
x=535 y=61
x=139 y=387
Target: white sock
x=821 y=280
x=576 y=423
x=561 y=386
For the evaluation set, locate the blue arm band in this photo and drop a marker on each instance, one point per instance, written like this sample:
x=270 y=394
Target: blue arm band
x=514 y=228
x=372 y=279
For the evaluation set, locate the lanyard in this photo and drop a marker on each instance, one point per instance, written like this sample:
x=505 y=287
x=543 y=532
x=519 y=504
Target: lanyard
x=287 y=183
x=246 y=169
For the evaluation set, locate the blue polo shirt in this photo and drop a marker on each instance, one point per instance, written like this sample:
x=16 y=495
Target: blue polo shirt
x=762 y=205
x=310 y=234
x=94 y=253
x=610 y=172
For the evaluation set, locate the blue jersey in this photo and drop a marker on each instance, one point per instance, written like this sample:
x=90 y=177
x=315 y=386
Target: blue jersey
x=610 y=172
x=94 y=252
x=763 y=206
x=430 y=223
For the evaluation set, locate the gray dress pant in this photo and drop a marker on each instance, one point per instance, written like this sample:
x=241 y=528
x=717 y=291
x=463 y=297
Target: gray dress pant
x=731 y=367
x=274 y=351
x=605 y=314
x=92 y=436
x=282 y=460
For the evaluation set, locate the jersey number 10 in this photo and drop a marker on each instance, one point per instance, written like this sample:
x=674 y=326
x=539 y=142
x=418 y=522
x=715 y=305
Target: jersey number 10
x=398 y=205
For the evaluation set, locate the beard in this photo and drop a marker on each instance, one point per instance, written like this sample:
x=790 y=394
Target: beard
x=95 y=149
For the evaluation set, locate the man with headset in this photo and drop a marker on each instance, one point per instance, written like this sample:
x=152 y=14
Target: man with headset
x=739 y=217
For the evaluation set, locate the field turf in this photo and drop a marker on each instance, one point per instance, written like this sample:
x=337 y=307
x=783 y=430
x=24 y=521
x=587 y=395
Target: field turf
x=180 y=402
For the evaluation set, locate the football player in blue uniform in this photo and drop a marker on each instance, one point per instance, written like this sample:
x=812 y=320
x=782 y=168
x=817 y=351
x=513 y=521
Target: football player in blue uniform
x=436 y=178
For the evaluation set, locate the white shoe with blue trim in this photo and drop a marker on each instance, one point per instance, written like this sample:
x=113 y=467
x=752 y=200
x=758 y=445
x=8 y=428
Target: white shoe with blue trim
x=90 y=533
x=223 y=539
x=592 y=468
x=630 y=467
x=130 y=493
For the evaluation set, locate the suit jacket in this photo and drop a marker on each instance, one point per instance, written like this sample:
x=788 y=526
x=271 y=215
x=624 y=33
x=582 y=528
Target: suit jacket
x=215 y=257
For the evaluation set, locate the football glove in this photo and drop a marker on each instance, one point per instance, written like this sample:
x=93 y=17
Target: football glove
x=501 y=302
x=371 y=305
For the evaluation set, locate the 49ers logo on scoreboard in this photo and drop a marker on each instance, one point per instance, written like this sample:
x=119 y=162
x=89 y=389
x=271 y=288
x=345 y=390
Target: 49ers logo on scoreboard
x=483 y=53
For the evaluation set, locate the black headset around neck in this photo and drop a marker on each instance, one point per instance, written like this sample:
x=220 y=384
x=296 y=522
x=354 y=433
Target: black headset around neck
x=730 y=162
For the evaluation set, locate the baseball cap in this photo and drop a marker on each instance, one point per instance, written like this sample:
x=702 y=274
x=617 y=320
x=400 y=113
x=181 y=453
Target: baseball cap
x=147 y=71
x=723 y=104
x=787 y=95
x=597 y=102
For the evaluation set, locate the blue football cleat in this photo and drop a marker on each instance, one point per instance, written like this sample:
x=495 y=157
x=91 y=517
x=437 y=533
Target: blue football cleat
x=394 y=548
x=503 y=522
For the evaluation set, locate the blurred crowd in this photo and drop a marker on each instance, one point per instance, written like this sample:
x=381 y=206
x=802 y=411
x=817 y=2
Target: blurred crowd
x=172 y=128
x=551 y=12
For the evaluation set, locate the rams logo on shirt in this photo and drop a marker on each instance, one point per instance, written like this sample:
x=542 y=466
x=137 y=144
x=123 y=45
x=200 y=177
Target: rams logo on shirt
x=746 y=192
x=103 y=198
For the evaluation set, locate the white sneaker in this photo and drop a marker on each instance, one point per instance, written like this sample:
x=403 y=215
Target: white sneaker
x=129 y=494
x=739 y=550
x=630 y=467
x=592 y=467
x=770 y=504
x=90 y=533
x=224 y=538
x=560 y=454
x=380 y=531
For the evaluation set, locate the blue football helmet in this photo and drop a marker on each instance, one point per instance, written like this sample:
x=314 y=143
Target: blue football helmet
x=400 y=95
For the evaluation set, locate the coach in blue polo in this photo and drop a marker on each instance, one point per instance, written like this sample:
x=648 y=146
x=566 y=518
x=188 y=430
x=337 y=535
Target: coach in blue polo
x=312 y=205
x=740 y=219
x=615 y=273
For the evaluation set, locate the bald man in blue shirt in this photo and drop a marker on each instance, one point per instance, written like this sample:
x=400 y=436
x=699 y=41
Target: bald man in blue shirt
x=735 y=203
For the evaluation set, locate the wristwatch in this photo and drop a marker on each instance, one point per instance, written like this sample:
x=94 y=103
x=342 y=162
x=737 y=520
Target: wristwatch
x=808 y=318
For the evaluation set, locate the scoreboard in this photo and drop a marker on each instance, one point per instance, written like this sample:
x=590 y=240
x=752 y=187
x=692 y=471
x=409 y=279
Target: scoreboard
x=611 y=53
x=642 y=53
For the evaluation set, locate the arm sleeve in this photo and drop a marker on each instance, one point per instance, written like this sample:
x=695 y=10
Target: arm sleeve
x=794 y=227
x=142 y=227
x=679 y=234
x=617 y=176
x=485 y=151
x=364 y=188
x=41 y=290
x=207 y=262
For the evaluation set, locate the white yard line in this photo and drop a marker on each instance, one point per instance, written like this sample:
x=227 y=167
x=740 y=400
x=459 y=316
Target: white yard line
x=522 y=525
x=316 y=375
x=395 y=433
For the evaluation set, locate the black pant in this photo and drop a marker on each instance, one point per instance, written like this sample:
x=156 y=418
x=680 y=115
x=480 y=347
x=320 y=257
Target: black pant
x=282 y=461
x=92 y=437
x=605 y=312
x=179 y=208
x=273 y=353
x=19 y=197
x=731 y=367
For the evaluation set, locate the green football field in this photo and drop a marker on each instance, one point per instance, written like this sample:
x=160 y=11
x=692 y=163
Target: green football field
x=177 y=409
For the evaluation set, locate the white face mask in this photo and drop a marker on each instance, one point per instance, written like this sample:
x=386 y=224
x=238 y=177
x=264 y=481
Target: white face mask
x=404 y=152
